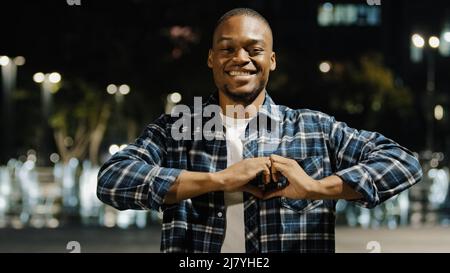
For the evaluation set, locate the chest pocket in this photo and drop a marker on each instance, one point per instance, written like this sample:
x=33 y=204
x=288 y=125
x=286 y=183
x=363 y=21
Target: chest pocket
x=313 y=166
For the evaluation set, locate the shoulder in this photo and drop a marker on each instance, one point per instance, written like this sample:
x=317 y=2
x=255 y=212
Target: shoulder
x=306 y=120
x=160 y=125
x=304 y=116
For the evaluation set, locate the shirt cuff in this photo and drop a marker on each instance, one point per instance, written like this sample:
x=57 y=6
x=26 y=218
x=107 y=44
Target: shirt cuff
x=162 y=181
x=359 y=179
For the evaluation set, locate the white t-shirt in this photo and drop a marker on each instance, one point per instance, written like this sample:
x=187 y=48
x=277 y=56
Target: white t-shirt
x=234 y=241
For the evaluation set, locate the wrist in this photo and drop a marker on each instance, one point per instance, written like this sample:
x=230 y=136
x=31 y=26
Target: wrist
x=217 y=181
x=330 y=187
x=315 y=190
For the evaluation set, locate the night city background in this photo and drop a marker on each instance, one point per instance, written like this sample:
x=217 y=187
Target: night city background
x=80 y=79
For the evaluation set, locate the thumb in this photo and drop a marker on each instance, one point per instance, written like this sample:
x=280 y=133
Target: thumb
x=280 y=168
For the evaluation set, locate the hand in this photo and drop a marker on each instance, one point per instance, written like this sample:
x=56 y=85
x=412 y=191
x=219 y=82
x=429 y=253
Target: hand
x=300 y=186
x=237 y=176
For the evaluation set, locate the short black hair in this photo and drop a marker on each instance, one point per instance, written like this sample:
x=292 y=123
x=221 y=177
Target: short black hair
x=241 y=11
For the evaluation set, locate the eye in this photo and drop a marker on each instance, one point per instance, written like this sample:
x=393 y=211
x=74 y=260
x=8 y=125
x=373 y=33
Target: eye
x=256 y=51
x=227 y=50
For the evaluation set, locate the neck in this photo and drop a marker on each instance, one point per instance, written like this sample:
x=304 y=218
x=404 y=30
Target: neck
x=239 y=110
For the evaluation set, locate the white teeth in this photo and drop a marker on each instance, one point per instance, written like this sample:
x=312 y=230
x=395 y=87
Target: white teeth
x=239 y=73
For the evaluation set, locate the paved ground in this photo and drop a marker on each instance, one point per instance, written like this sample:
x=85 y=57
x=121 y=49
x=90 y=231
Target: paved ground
x=425 y=239
x=90 y=239
x=430 y=239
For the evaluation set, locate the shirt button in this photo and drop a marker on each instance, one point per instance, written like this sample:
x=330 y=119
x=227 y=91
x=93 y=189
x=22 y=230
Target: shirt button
x=219 y=214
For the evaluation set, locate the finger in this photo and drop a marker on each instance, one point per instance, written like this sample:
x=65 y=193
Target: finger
x=275 y=174
x=274 y=193
x=279 y=159
x=264 y=160
x=280 y=168
x=266 y=174
x=257 y=192
x=268 y=169
x=268 y=162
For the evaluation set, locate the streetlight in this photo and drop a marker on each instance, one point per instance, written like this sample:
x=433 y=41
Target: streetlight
x=9 y=72
x=434 y=42
x=418 y=40
x=171 y=100
x=54 y=77
x=114 y=148
x=39 y=77
x=444 y=47
x=50 y=84
x=124 y=89
x=324 y=67
x=438 y=112
x=118 y=91
x=418 y=46
x=447 y=36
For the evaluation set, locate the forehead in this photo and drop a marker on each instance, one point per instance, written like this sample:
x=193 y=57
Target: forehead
x=243 y=27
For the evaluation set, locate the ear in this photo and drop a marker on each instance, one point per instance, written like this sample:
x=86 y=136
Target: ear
x=273 y=62
x=210 y=61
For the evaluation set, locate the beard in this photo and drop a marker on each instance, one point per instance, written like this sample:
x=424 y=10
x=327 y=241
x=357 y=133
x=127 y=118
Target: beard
x=244 y=98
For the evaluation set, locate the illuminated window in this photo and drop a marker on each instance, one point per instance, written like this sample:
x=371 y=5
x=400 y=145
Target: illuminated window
x=348 y=14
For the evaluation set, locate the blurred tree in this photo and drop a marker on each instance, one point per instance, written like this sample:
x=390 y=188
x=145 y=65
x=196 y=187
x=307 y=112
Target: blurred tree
x=79 y=121
x=367 y=89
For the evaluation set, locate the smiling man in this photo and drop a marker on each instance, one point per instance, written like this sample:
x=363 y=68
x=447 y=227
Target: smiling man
x=246 y=192
x=241 y=58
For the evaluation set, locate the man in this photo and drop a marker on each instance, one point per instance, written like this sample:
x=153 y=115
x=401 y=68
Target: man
x=247 y=192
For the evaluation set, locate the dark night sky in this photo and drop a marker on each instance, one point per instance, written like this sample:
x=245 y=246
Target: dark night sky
x=118 y=42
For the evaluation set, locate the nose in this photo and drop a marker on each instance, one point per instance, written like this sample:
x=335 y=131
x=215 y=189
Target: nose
x=241 y=56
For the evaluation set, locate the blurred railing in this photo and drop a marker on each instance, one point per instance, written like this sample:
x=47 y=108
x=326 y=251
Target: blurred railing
x=65 y=194
x=56 y=196
x=427 y=203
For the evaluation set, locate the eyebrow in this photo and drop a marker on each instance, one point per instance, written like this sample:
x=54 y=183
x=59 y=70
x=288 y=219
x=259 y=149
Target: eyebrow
x=249 y=41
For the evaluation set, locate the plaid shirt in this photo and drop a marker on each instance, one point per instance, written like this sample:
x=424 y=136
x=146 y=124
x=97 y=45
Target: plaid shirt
x=139 y=177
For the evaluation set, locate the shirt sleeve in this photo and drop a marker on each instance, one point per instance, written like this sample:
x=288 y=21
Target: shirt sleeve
x=134 y=178
x=371 y=164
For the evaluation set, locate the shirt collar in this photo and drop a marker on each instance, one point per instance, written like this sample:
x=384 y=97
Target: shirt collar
x=268 y=108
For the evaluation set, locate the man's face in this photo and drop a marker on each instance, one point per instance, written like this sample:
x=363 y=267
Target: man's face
x=241 y=57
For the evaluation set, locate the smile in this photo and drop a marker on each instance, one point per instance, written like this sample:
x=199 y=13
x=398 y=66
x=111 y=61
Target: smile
x=240 y=73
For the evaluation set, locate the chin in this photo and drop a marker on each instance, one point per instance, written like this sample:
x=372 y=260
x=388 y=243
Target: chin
x=241 y=92
x=243 y=95
x=243 y=89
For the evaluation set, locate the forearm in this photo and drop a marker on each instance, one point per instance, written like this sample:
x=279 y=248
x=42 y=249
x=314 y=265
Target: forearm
x=191 y=184
x=333 y=187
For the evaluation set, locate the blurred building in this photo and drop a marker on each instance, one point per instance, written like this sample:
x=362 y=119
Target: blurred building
x=160 y=49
